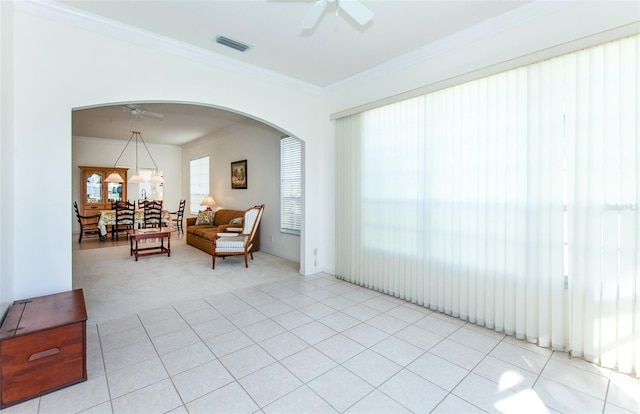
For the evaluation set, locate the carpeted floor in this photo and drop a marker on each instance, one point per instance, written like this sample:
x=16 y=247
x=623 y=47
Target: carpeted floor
x=115 y=285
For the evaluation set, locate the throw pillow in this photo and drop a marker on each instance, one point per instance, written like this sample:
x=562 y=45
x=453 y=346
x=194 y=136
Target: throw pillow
x=237 y=220
x=205 y=218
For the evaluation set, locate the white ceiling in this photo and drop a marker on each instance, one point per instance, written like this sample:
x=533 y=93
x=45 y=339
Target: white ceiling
x=337 y=48
x=182 y=123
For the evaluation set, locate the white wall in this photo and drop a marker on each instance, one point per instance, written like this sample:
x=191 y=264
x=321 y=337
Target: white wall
x=103 y=153
x=7 y=222
x=59 y=67
x=260 y=146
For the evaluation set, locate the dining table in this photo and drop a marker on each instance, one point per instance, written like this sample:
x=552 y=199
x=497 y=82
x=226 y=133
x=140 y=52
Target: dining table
x=108 y=218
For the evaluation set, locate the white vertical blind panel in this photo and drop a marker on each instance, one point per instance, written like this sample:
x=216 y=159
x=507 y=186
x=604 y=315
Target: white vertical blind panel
x=554 y=312
x=519 y=245
x=496 y=306
x=609 y=107
x=578 y=182
x=628 y=335
x=491 y=202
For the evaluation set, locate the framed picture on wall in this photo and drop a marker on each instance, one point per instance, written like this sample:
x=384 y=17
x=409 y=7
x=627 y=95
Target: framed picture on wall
x=239 y=175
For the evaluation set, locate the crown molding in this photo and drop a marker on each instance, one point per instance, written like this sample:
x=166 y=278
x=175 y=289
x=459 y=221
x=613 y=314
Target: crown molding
x=61 y=13
x=530 y=11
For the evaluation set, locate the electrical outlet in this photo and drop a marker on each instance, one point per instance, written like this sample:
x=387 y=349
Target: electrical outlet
x=270 y=238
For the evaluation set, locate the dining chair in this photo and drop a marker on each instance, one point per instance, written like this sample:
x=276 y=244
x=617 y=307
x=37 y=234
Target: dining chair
x=233 y=244
x=153 y=214
x=142 y=203
x=178 y=216
x=115 y=204
x=88 y=224
x=125 y=218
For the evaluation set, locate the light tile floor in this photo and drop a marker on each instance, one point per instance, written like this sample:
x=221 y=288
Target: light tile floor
x=320 y=345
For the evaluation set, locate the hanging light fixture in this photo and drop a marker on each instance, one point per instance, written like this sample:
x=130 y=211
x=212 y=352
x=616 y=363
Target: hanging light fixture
x=136 y=178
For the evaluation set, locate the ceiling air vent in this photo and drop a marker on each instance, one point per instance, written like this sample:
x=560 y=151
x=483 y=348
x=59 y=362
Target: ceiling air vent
x=233 y=44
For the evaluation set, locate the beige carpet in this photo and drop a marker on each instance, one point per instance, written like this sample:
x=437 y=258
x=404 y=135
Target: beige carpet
x=115 y=285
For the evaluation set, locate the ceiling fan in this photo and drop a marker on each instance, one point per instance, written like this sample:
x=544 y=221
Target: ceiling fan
x=140 y=111
x=353 y=8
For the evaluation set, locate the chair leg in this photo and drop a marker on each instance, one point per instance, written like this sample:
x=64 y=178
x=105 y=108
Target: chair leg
x=246 y=264
x=213 y=261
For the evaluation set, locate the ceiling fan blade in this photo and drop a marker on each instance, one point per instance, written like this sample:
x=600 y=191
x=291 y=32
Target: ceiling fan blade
x=153 y=114
x=356 y=10
x=313 y=15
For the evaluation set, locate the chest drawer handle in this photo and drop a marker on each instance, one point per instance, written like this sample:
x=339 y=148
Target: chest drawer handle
x=44 y=353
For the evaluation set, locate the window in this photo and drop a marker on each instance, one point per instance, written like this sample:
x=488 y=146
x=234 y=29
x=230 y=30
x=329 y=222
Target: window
x=198 y=182
x=149 y=189
x=520 y=194
x=290 y=185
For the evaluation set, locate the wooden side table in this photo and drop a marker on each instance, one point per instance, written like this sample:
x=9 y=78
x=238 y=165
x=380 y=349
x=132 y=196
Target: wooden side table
x=42 y=346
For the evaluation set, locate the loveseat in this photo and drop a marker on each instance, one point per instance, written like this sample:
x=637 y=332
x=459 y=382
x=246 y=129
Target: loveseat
x=201 y=236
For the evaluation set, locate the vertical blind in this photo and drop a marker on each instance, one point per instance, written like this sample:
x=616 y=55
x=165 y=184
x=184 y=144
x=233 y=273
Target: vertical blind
x=510 y=201
x=198 y=182
x=290 y=185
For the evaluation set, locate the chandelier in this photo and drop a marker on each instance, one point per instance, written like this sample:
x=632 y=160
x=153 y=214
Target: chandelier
x=114 y=177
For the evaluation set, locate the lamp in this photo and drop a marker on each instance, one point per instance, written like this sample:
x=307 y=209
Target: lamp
x=114 y=177
x=209 y=202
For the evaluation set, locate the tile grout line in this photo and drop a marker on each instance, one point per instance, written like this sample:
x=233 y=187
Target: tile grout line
x=104 y=366
x=475 y=366
x=246 y=300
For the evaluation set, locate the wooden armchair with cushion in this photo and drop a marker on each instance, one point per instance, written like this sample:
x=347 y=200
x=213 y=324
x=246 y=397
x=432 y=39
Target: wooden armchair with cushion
x=88 y=224
x=235 y=244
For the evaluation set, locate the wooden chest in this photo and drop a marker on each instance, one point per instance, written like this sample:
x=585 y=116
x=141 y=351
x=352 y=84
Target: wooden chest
x=42 y=346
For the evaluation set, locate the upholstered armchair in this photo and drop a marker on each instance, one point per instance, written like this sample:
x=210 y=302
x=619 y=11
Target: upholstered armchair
x=235 y=244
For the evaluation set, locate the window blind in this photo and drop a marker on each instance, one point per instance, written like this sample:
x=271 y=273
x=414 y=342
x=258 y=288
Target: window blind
x=198 y=182
x=290 y=185
x=515 y=198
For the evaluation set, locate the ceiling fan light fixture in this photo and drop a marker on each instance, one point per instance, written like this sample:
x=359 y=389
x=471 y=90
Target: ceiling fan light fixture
x=357 y=11
x=141 y=111
x=353 y=8
x=233 y=44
